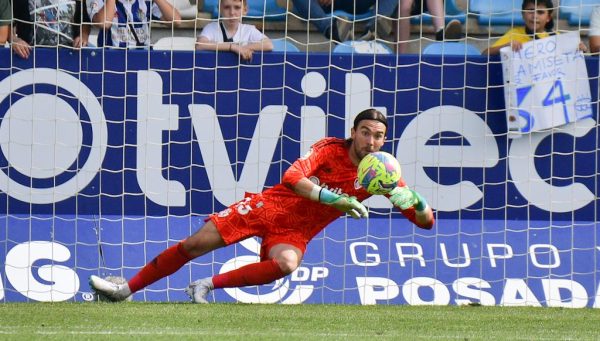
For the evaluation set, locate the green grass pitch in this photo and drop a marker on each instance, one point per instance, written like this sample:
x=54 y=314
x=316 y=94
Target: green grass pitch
x=173 y=321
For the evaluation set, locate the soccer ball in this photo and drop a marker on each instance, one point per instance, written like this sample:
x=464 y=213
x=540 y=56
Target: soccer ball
x=379 y=172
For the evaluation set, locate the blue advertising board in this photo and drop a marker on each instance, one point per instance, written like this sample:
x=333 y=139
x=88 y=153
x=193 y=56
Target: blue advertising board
x=108 y=157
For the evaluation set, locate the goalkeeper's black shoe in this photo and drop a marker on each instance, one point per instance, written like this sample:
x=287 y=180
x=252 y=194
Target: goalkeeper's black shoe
x=109 y=290
x=198 y=290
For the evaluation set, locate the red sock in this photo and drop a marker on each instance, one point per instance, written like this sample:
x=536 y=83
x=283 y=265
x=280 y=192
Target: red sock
x=251 y=274
x=166 y=263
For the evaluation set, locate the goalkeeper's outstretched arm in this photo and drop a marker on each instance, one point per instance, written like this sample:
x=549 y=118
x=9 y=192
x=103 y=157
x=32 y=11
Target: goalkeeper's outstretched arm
x=307 y=189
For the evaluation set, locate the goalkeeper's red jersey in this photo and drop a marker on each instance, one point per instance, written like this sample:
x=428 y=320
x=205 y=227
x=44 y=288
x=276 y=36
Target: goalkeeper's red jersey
x=280 y=215
x=328 y=165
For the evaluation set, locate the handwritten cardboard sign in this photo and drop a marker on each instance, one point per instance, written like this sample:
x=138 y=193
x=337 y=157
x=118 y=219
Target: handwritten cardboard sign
x=546 y=84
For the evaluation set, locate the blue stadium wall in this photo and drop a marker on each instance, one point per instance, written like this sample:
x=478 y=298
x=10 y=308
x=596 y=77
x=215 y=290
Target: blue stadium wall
x=516 y=217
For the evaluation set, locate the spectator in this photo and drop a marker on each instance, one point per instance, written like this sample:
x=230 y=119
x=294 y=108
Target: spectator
x=5 y=21
x=453 y=30
x=595 y=30
x=126 y=23
x=48 y=23
x=339 y=29
x=229 y=34
x=382 y=27
x=539 y=24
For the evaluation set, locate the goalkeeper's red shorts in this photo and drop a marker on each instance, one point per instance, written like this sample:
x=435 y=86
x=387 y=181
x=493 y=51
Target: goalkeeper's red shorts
x=255 y=217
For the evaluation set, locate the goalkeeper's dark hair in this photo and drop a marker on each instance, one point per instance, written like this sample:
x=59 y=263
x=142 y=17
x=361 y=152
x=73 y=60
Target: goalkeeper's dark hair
x=370 y=114
x=549 y=5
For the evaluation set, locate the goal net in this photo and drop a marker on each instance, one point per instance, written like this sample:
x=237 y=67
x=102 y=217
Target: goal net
x=110 y=155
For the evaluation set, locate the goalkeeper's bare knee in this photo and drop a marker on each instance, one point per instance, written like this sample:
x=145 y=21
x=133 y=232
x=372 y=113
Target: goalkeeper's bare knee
x=287 y=259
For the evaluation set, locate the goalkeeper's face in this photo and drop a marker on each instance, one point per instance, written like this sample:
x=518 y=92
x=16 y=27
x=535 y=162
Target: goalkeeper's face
x=367 y=138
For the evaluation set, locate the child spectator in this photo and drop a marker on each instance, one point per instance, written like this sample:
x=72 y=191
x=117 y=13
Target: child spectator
x=539 y=24
x=126 y=23
x=229 y=34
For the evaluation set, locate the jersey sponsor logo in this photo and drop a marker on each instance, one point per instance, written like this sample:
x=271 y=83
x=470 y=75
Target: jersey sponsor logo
x=315 y=180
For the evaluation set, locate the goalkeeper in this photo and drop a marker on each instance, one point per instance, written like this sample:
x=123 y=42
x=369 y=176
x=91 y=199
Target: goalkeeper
x=315 y=191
